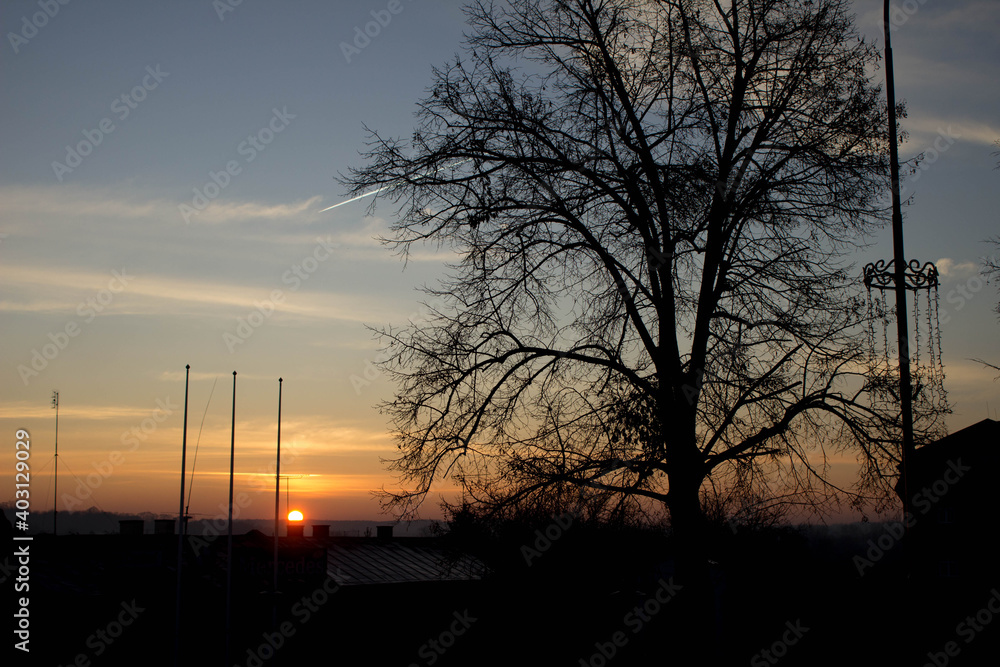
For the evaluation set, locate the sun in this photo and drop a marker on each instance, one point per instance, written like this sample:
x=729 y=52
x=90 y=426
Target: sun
x=295 y=515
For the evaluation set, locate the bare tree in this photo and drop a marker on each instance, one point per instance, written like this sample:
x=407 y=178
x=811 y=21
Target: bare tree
x=991 y=269
x=991 y=266
x=655 y=205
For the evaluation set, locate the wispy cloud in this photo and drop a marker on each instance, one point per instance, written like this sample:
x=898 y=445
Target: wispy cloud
x=129 y=216
x=236 y=211
x=21 y=410
x=165 y=295
x=951 y=268
x=925 y=129
x=969 y=17
x=71 y=202
x=178 y=376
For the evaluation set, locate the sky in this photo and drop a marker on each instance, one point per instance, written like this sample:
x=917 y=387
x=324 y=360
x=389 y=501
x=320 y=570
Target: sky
x=164 y=174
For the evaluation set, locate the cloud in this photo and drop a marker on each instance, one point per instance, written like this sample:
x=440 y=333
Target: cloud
x=366 y=239
x=178 y=376
x=235 y=211
x=951 y=269
x=71 y=202
x=969 y=17
x=23 y=410
x=130 y=218
x=924 y=130
x=146 y=294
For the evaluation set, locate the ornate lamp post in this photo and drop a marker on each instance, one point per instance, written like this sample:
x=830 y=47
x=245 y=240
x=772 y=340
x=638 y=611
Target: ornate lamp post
x=900 y=274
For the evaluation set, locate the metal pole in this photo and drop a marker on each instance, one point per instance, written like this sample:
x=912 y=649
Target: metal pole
x=277 y=496
x=55 y=499
x=899 y=258
x=180 y=522
x=229 y=535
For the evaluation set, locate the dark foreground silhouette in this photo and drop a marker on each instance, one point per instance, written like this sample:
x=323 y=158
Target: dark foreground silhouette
x=553 y=592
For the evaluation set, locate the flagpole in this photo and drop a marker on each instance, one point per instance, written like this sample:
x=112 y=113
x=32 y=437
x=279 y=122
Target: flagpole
x=229 y=534
x=277 y=496
x=180 y=522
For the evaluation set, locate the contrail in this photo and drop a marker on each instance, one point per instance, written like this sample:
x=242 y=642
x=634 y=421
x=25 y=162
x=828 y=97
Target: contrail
x=375 y=192
x=367 y=194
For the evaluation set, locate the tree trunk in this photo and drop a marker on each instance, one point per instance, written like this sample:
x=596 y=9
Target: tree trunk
x=690 y=540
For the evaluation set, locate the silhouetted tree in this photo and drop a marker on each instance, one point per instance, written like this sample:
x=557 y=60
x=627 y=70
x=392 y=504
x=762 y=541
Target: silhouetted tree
x=991 y=266
x=991 y=269
x=654 y=204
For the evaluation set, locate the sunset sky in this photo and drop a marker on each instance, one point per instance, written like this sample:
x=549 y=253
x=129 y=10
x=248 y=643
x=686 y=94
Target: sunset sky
x=191 y=232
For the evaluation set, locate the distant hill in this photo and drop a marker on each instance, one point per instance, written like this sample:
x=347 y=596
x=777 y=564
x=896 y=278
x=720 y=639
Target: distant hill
x=93 y=521
x=840 y=538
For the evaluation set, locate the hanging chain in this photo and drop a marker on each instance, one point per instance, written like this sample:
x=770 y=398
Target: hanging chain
x=885 y=336
x=943 y=396
x=870 y=336
x=916 y=338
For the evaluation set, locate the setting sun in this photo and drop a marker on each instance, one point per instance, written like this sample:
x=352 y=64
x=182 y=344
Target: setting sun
x=295 y=515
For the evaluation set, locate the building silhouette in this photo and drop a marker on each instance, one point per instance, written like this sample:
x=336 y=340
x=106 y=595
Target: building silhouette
x=953 y=501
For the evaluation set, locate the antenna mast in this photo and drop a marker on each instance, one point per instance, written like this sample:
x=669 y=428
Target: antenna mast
x=181 y=522
x=55 y=500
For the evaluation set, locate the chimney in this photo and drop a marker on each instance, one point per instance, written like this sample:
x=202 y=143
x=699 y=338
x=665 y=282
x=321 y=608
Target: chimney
x=383 y=532
x=321 y=531
x=295 y=530
x=163 y=526
x=131 y=526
